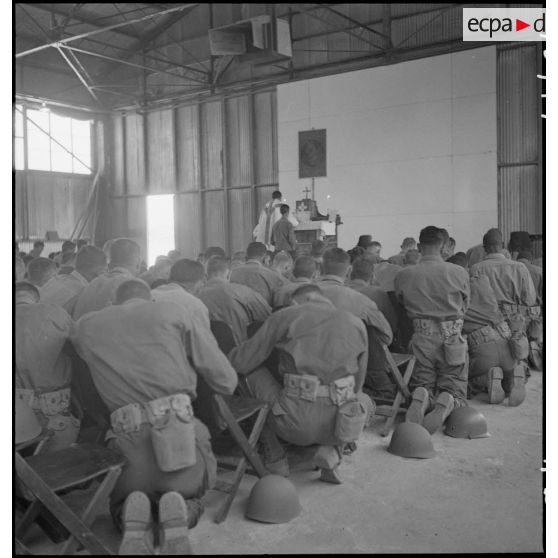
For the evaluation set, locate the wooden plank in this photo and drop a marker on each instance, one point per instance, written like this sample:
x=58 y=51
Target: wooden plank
x=58 y=508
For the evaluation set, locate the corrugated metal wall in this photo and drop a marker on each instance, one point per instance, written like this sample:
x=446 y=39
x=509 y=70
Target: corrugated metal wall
x=218 y=157
x=520 y=191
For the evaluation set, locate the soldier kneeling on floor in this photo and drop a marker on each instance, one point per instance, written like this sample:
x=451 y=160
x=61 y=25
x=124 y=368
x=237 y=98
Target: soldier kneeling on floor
x=493 y=369
x=317 y=394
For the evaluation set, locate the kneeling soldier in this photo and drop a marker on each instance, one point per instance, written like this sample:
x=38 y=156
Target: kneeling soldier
x=322 y=357
x=492 y=367
x=144 y=357
x=435 y=295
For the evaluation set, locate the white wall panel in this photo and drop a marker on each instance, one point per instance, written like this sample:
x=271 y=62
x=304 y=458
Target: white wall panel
x=408 y=145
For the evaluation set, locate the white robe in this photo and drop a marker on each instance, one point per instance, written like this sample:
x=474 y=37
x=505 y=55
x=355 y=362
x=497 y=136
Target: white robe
x=268 y=217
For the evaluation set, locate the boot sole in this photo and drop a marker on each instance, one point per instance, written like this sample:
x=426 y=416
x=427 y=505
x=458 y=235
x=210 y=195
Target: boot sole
x=434 y=420
x=517 y=392
x=417 y=408
x=173 y=519
x=496 y=393
x=136 y=521
x=330 y=476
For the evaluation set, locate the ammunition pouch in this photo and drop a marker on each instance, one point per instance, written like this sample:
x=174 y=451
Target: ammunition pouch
x=519 y=346
x=455 y=350
x=350 y=421
x=172 y=434
x=49 y=403
x=308 y=388
x=535 y=326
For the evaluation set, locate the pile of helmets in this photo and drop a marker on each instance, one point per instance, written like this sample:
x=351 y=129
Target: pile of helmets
x=413 y=440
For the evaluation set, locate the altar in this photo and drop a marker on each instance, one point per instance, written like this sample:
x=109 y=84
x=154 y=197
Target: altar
x=314 y=226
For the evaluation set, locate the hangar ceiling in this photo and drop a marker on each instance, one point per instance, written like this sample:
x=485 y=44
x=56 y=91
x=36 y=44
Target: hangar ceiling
x=115 y=56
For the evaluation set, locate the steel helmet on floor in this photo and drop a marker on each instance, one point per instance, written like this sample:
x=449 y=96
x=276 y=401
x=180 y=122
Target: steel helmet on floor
x=466 y=422
x=273 y=499
x=411 y=440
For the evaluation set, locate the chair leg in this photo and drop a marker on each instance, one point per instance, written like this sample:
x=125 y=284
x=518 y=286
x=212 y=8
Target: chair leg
x=29 y=516
x=239 y=436
x=58 y=508
x=231 y=492
x=92 y=510
x=399 y=397
x=243 y=463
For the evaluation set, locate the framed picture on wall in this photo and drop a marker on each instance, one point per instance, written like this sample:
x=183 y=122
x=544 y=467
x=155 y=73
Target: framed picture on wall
x=312 y=153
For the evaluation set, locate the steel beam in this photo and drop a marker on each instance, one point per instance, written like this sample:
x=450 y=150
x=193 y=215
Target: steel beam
x=356 y=23
x=132 y=64
x=78 y=74
x=97 y=31
x=52 y=8
x=337 y=29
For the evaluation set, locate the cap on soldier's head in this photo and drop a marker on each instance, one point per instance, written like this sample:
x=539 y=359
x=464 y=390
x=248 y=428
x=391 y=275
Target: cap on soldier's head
x=364 y=240
x=431 y=235
x=493 y=237
x=519 y=241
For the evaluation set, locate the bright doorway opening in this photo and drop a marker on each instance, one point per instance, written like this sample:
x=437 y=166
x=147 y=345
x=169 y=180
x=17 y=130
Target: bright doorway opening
x=160 y=226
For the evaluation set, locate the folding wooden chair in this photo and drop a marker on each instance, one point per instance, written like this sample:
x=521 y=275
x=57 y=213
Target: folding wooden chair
x=389 y=409
x=229 y=411
x=44 y=476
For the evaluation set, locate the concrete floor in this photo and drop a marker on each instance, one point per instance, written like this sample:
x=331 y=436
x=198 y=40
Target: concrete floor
x=481 y=495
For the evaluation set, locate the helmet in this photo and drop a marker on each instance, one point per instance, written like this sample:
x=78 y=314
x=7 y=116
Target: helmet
x=273 y=499
x=27 y=426
x=466 y=422
x=411 y=440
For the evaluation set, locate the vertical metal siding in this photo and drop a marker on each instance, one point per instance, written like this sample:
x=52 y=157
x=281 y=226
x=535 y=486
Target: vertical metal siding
x=214 y=218
x=212 y=145
x=134 y=154
x=161 y=152
x=265 y=138
x=188 y=221
x=187 y=148
x=118 y=181
x=520 y=191
x=239 y=153
x=240 y=207
x=517 y=97
x=136 y=210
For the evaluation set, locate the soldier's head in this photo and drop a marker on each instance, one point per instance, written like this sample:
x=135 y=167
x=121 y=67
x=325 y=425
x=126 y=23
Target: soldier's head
x=460 y=258
x=308 y=292
x=238 y=259
x=411 y=257
x=190 y=275
x=277 y=195
x=525 y=255
x=26 y=293
x=256 y=251
x=318 y=249
x=68 y=246
x=409 y=243
x=336 y=262
x=282 y=263
x=431 y=241
x=218 y=268
x=362 y=268
x=304 y=266
x=40 y=270
x=133 y=288
x=374 y=248
x=284 y=209
x=174 y=255
x=124 y=252
x=214 y=251
x=493 y=241
x=90 y=262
